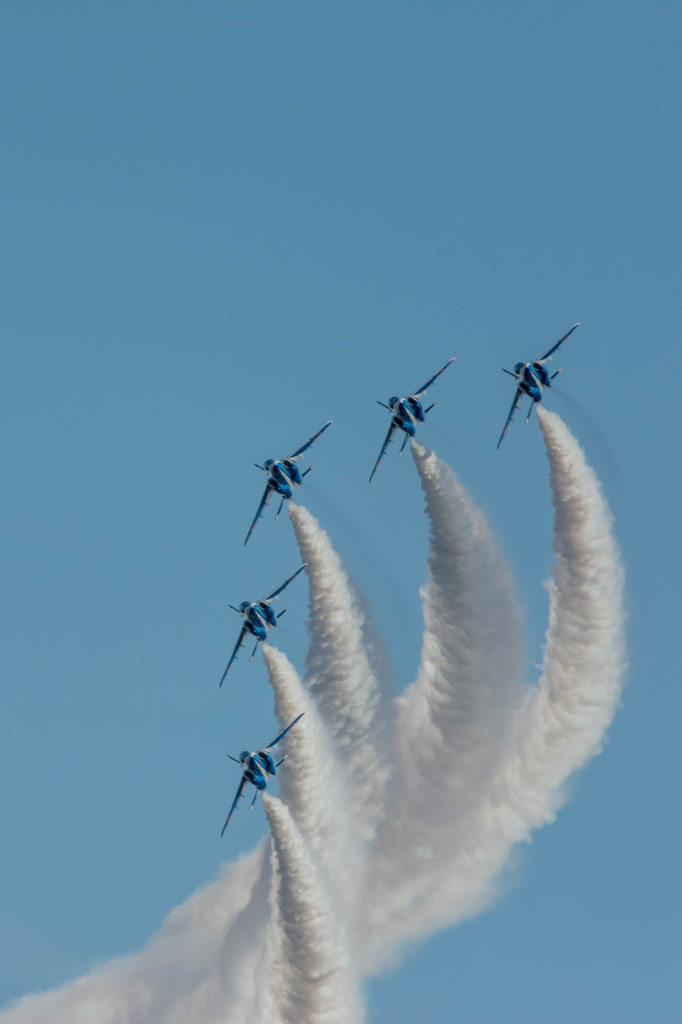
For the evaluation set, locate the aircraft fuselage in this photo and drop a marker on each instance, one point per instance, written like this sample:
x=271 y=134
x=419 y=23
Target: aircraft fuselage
x=256 y=764
x=532 y=378
x=282 y=474
x=407 y=412
x=258 y=618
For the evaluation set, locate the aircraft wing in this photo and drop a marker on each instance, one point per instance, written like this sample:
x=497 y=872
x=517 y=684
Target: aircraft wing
x=263 y=502
x=388 y=440
x=550 y=351
x=431 y=380
x=286 y=583
x=514 y=407
x=282 y=734
x=240 y=794
x=240 y=641
x=297 y=452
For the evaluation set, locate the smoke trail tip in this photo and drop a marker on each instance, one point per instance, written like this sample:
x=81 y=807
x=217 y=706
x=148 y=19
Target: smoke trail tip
x=300 y=516
x=272 y=655
x=548 y=420
x=419 y=450
x=426 y=461
x=275 y=811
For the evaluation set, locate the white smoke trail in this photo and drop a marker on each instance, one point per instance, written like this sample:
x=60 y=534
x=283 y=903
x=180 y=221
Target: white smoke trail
x=340 y=673
x=473 y=775
x=185 y=957
x=451 y=721
x=312 y=975
x=566 y=717
x=311 y=783
x=562 y=722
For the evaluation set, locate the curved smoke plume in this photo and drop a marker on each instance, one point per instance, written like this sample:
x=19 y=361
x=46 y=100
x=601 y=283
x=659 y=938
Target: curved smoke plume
x=340 y=673
x=565 y=719
x=561 y=723
x=311 y=783
x=186 y=957
x=450 y=722
x=312 y=977
x=437 y=786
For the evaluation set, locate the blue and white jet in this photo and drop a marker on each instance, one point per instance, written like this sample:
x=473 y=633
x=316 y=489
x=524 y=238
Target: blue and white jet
x=406 y=413
x=257 y=765
x=283 y=475
x=258 y=617
x=532 y=378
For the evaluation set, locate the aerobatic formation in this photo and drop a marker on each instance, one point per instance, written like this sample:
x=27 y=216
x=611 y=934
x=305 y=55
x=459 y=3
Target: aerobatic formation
x=358 y=862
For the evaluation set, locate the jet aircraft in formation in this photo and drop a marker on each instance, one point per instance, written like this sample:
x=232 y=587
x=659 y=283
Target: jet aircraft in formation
x=257 y=765
x=406 y=413
x=258 y=617
x=532 y=378
x=283 y=475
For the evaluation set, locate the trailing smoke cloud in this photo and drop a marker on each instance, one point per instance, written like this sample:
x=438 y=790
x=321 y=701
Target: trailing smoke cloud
x=359 y=862
x=311 y=979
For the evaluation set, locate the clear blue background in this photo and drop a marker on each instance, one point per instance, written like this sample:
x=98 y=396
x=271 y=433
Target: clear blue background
x=223 y=224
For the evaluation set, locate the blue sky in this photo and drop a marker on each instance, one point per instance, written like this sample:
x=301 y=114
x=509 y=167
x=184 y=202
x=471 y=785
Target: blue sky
x=224 y=224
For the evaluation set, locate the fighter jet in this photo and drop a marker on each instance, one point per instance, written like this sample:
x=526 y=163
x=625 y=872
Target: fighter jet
x=532 y=378
x=257 y=765
x=258 y=617
x=406 y=413
x=283 y=475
